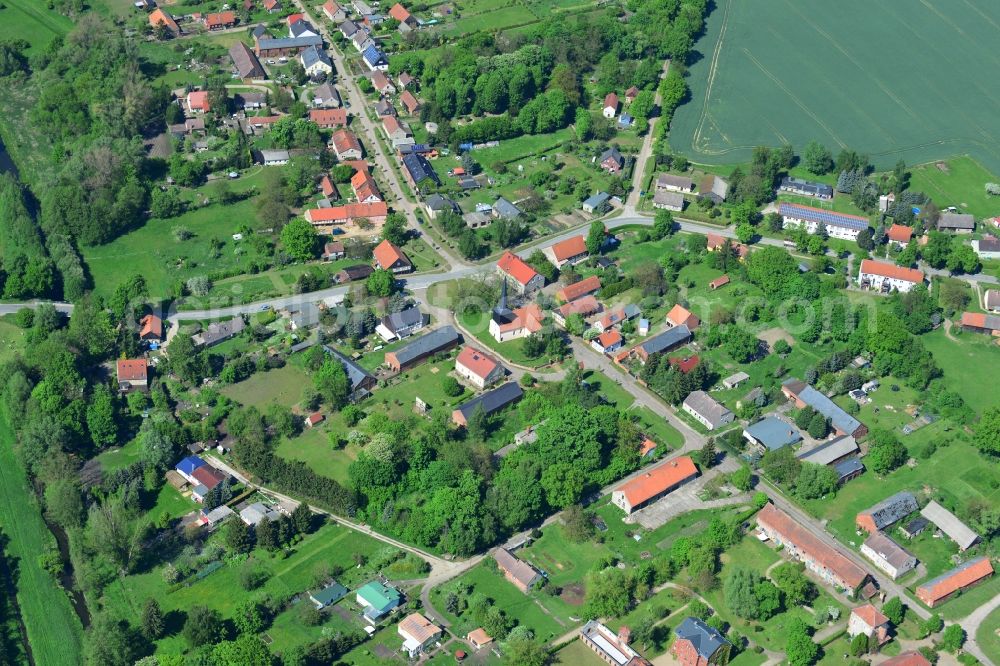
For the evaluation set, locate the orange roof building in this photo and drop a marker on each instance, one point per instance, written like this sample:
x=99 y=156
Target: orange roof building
x=686 y=364
x=346 y=145
x=978 y=322
x=219 y=20
x=400 y=13
x=940 y=589
x=328 y=118
x=680 y=315
x=325 y=218
x=886 y=277
x=365 y=188
x=715 y=241
x=389 y=257
x=150 y=328
x=408 y=100
x=584 y=306
x=327 y=187
x=899 y=234
x=570 y=251
x=869 y=621
x=478 y=368
x=653 y=484
x=608 y=342
x=524 y=276
x=579 y=289
x=292 y=18
x=132 y=373
x=517 y=323
x=912 y=658
x=158 y=17
x=197 y=101
x=720 y=281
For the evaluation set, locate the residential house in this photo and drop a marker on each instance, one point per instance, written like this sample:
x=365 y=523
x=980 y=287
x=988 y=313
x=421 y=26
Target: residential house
x=272 y=6
x=868 y=621
x=585 y=307
x=490 y=402
x=959 y=223
x=382 y=84
x=667 y=182
x=477 y=219
x=610 y=108
x=977 y=322
x=383 y=108
x=315 y=62
x=206 y=478
x=478 y=368
x=159 y=18
x=328 y=596
x=651 y=485
x=579 y=289
x=437 y=204
x=885 y=513
x=412 y=354
x=256 y=513
x=274 y=157
x=479 y=639
x=814 y=220
x=805 y=188
x=516 y=571
x=365 y=188
x=947 y=522
x=707 y=410
x=826 y=562
x=570 y=251
x=899 y=235
x=219 y=331
x=886 y=277
x=328 y=189
x=608 y=342
x=362 y=383
x=328 y=118
x=771 y=434
x=314 y=419
x=220 y=20
x=346 y=145
x=375 y=59
x=150 y=328
x=888 y=555
x=611 y=160
x=348 y=29
x=245 y=63
x=271 y=47
x=187 y=466
x=409 y=102
x=616 y=318
x=664 y=342
x=988 y=247
x=353 y=273
x=250 y=100
x=333 y=11
x=212 y=519
x=611 y=647
x=325 y=219
x=525 y=278
x=197 y=101
x=402 y=324
x=505 y=210
x=407 y=22
x=962 y=577
x=803 y=394
x=302 y=28
x=596 y=203
x=404 y=80
x=698 y=644
x=327 y=96
x=132 y=374
x=262 y=123
x=418 y=171
x=684 y=364
x=669 y=201
x=714 y=188
x=377 y=599
x=681 y=316
x=717 y=242
x=390 y=258
x=631 y=94
x=418 y=634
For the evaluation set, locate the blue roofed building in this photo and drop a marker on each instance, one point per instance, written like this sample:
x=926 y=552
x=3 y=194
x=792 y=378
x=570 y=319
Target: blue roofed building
x=698 y=643
x=837 y=225
x=375 y=59
x=771 y=434
x=596 y=203
x=187 y=467
x=805 y=395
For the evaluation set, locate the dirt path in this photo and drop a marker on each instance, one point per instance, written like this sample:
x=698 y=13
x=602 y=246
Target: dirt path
x=639 y=169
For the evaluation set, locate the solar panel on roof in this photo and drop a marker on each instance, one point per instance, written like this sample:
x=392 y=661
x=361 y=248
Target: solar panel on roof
x=827 y=217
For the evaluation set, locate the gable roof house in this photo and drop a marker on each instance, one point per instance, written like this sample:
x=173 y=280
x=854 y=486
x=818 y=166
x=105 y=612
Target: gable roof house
x=437 y=204
x=885 y=513
x=377 y=599
x=616 y=317
x=269 y=47
x=333 y=11
x=187 y=466
x=197 y=101
x=490 y=402
x=987 y=247
x=884 y=277
x=132 y=374
x=771 y=434
x=584 y=306
x=409 y=102
x=516 y=571
x=888 y=555
x=653 y=484
x=837 y=225
x=803 y=394
x=826 y=562
x=329 y=595
x=325 y=219
x=328 y=118
x=365 y=188
x=477 y=368
x=707 y=410
x=272 y=6
x=220 y=20
x=570 y=251
x=390 y=258
x=257 y=513
x=596 y=203
x=327 y=95
x=215 y=517
x=612 y=648
x=362 y=383
x=158 y=18
x=402 y=324
x=667 y=182
x=382 y=84
x=245 y=63
x=868 y=621
x=525 y=278
x=315 y=61
x=418 y=633
x=505 y=210
x=959 y=223
x=949 y=523
x=150 y=328
x=610 y=107
x=714 y=188
x=412 y=354
x=698 y=644
x=219 y=331
x=608 y=342
x=418 y=171
x=346 y=145
x=611 y=160
x=407 y=22
x=964 y=576
x=832 y=452
x=507 y=324
x=977 y=322
x=584 y=287
x=300 y=27
x=375 y=59
x=681 y=316
x=669 y=201
x=899 y=235
x=664 y=342
x=805 y=188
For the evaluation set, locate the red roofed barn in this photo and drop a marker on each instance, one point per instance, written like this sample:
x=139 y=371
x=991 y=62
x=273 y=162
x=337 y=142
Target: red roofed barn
x=654 y=484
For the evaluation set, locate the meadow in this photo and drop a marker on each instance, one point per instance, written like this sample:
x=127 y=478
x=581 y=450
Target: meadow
x=911 y=85
x=32 y=21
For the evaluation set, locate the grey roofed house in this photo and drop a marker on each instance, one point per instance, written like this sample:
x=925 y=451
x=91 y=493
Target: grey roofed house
x=669 y=200
x=848 y=469
x=218 y=332
x=327 y=95
x=250 y=100
x=492 y=401
x=217 y=515
x=806 y=187
x=666 y=340
x=670 y=181
x=330 y=594
x=257 y=513
x=734 y=380
x=891 y=552
x=468 y=182
x=705 y=640
x=313 y=55
x=517 y=570
x=612 y=153
x=402 y=323
x=840 y=419
x=245 y=61
x=384 y=107
x=425 y=345
x=301 y=27
x=439 y=204
x=505 y=210
x=274 y=156
x=772 y=433
x=360 y=380
x=268 y=43
x=714 y=188
x=830 y=452
x=596 y=201
x=259 y=31
x=914 y=527
x=708 y=407
x=949 y=523
x=888 y=511
x=304 y=316
x=956 y=222
x=348 y=29
x=477 y=218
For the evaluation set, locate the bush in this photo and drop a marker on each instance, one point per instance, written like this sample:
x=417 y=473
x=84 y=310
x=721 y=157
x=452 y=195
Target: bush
x=451 y=387
x=252 y=578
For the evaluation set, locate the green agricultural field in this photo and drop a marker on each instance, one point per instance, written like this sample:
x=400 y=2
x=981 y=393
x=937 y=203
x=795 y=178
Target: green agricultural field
x=958 y=182
x=32 y=21
x=911 y=85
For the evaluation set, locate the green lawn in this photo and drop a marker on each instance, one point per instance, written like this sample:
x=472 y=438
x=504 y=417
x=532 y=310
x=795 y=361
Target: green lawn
x=577 y=654
x=53 y=628
x=478 y=325
x=32 y=21
x=282 y=386
x=968 y=364
x=988 y=636
x=960 y=184
x=658 y=429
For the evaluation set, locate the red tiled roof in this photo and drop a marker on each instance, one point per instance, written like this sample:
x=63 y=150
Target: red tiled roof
x=719 y=282
x=715 y=241
x=514 y=266
x=646 y=446
x=263 y=120
x=584 y=306
x=349 y=211
x=326 y=186
x=270 y=4
x=631 y=93
x=609 y=338
x=208 y=476
x=328 y=116
x=151 y=325
x=391 y=124
x=569 y=248
x=292 y=18
x=680 y=315
x=398 y=12
x=658 y=479
x=344 y=140
x=899 y=233
x=954 y=580
x=913 y=658
x=220 y=19
x=980 y=320
x=198 y=99
x=364 y=186
x=870 y=615
x=477 y=362
x=685 y=365
x=528 y=317
x=419 y=628
x=805 y=541
x=409 y=101
x=331 y=7
x=315 y=418
x=386 y=254
x=611 y=99
x=873 y=267
x=577 y=289
x=131 y=370
x=159 y=17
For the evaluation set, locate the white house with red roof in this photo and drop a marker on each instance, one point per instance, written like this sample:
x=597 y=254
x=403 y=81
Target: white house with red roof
x=608 y=342
x=869 y=621
x=524 y=278
x=132 y=374
x=389 y=257
x=478 y=368
x=197 y=101
x=899 y=235
x=610 y=108
x=885 y=277
x=570 y=251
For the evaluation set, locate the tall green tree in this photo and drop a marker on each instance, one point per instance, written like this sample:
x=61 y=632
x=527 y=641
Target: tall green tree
x=299 y=239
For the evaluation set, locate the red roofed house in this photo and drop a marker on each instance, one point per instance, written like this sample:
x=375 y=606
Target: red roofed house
x=477 y=368
x=197 y=101
x=293 y=18
x=517 y=323
x=314 y=419
x=382 y=84
x=391 y=258
x=886 y=277
x=680 y=315
x=327 y=187
x=570 y=251
x=977 y=322
x=647 y=448
x=526 y=279
x=365 y=188
x=405 y=18
x=715 y=241
x=899 y=235
x=272 y=6
x=324 y=219
x=346 y=145
x=334 y=250
x=610 y=109
x=912 y=658
x=516 y=571
x=654 y=484
x=608 y=342
x=584 y=307
x=159 y=17
x=132 y=374
x=584 y=287
x=334 y=12
x=329 y=118
x=410 y=102
x=686 y=364
x=935 y=591
x=220 y=20
x=869 y=621
x=800 y=543
x=150 y=328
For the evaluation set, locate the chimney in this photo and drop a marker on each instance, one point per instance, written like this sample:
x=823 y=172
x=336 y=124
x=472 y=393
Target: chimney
x=625 y=635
